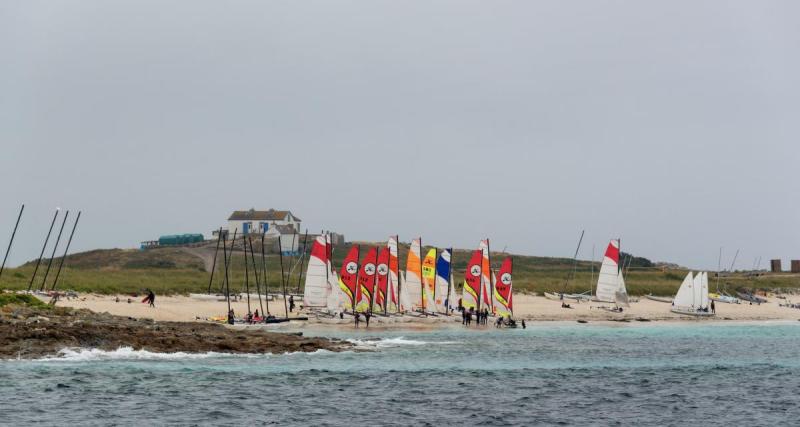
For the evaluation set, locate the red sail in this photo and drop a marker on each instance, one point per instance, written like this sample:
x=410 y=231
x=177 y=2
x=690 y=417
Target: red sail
x=472 y=279
x=383 y=277
x=366 y=280
x=503 y=284
x=349 y=275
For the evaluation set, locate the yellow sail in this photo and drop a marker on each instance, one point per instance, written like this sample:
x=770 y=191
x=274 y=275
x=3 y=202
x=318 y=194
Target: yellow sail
x=429 y=281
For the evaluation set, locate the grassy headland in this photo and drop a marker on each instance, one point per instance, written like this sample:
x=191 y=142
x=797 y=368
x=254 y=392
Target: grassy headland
x=178 y=271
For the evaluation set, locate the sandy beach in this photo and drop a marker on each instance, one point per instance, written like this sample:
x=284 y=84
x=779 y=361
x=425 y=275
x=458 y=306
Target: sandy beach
x=528 y=307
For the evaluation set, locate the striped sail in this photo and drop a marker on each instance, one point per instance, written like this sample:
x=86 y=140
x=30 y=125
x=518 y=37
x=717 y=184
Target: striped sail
x=503 y=289
x=382 y=281
x=608 y=279
x=443 y=300
x=366 y=281
x=488 y=284
x=429 y=282
x=317 y=289
x=472 y=281
x=413 y=282
x=394 y=276
x=348 y=277
x=336 y=299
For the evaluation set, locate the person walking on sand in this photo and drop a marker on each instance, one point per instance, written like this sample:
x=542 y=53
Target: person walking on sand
x=291 y=303
x=713 y=308
x=151 y=297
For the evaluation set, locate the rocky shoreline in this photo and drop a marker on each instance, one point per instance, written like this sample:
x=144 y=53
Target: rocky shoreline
x=31 y=333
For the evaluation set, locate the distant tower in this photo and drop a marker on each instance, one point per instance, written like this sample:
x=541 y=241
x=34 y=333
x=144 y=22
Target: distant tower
x=775 y=265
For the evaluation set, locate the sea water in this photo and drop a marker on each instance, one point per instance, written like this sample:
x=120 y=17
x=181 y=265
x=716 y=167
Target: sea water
x=550 y=373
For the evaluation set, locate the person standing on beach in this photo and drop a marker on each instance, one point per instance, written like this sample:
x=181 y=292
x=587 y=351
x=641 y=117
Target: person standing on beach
x=151 y=296
x=291 y=303
x=713 y=308
x=367 y=315
x=358 y=319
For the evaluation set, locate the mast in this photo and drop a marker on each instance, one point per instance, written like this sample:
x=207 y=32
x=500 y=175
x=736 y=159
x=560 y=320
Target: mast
x=399 y=282
x=214 y=264
x=449 y=284
x=14 y=233
x=246 y=271
x=422 y=291
x=46 y=239
x=491 y=282
x=53 y=254
x=591 y=280
x=283 y=281
x=435 y=259
x=302 y=259
x=255 y=273
x=69 y=242
x=227 y=259
x=264 y=268
x=571 y=274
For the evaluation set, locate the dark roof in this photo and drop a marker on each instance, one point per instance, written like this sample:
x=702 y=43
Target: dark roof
x=254 y=215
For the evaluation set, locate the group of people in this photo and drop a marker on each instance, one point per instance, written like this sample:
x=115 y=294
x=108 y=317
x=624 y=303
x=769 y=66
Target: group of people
x=481 y=316
x=367 y=316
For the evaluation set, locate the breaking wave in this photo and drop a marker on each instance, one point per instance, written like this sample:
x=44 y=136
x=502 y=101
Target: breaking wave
x=128 y=353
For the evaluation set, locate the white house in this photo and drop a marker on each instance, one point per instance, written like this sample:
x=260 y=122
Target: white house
x=253 y=221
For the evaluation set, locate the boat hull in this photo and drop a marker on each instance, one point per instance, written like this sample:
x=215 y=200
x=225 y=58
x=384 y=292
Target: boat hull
x=692 y=312
x=667 y=300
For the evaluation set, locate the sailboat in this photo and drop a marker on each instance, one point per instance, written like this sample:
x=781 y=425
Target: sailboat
x=412 y=282
x=610 y=282
x=381 y=301
x=444 y=282
x=470 y=294
x=429 y=282
x=366 y=281
x=503 y=290
x=348 y=278
x=486 y=270
x=397 y=287
x=692 y=297
x=315 y=293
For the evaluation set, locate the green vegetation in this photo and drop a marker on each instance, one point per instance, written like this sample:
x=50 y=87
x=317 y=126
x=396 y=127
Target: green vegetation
x=175 y=271
x=25 y=300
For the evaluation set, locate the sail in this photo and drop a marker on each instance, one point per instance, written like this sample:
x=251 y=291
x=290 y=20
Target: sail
x=704 y=301
x=413 y=282
x=621 y=296
x=335 y=300
x=608 y=279
x=315 y=293
x=697 y=286
x=382 y=280
x=366 y=281
x=488 y=284
x=443 y=301
x=429 y=281
x=503 y=288
x=472 y=281
x=394 y=276
x=453 y=296
x=685 y=295
x=405 y=297
x=348 y=277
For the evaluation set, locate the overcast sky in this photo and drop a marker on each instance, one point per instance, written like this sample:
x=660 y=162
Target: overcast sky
x=674 y=124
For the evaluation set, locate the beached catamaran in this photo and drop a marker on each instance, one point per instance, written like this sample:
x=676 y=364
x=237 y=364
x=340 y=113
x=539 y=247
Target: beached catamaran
x=429 y=282
x=322 y=291
x=366 y=281
x=610 y=282
x=503 y=290
x=473 y=280
x=381 y=301
x=445 y=289
x=487 y=282
x=412 y=284
x=348 y=278
x=692 y=297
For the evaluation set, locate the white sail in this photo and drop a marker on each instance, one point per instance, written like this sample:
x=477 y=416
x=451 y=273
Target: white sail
x=685 y=296
x=621 y=296
x=394 y=264
x=697 y=286
x=452 y=300
x=704 y=301
x=608 y=282
x=335 y=300
x=317 y=288
x=487 y=285
x=405 y=297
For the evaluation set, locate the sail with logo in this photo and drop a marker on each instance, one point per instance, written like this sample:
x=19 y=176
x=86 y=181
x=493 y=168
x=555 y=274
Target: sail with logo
x=348 y=278
x=473 y=280
x=382 y=296
x=366 y=281
x=503 y=290
x=429 y=282
x=444 y=283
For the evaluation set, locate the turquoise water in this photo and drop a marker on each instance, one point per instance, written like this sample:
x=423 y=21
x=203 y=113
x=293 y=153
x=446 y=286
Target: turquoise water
x=552 y=373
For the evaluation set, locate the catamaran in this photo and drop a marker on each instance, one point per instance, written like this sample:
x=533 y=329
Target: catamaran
x=445 y=290
x=412 y=282
x=429 y=282
x=503 y=290
x=692 y=297
x=471 y=292
x=610 y=282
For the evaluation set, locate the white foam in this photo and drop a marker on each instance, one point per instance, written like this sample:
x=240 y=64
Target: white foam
x=128 y=353
x=395 y=342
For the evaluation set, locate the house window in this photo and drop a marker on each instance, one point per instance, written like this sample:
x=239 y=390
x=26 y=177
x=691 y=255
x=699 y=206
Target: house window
x=246 y=227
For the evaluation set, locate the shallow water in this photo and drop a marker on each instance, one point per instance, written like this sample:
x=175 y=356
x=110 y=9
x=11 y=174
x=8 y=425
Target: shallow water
x=551 y=373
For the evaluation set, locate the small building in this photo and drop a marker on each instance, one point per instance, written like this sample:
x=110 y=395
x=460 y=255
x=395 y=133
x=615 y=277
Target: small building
x=775 y=266
x=253 y=221
x=796 y=266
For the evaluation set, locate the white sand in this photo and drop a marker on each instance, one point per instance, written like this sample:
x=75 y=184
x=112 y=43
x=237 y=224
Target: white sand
x=183 y=308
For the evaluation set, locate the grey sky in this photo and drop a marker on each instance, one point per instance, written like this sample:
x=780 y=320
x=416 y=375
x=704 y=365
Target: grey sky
x=674 y=125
